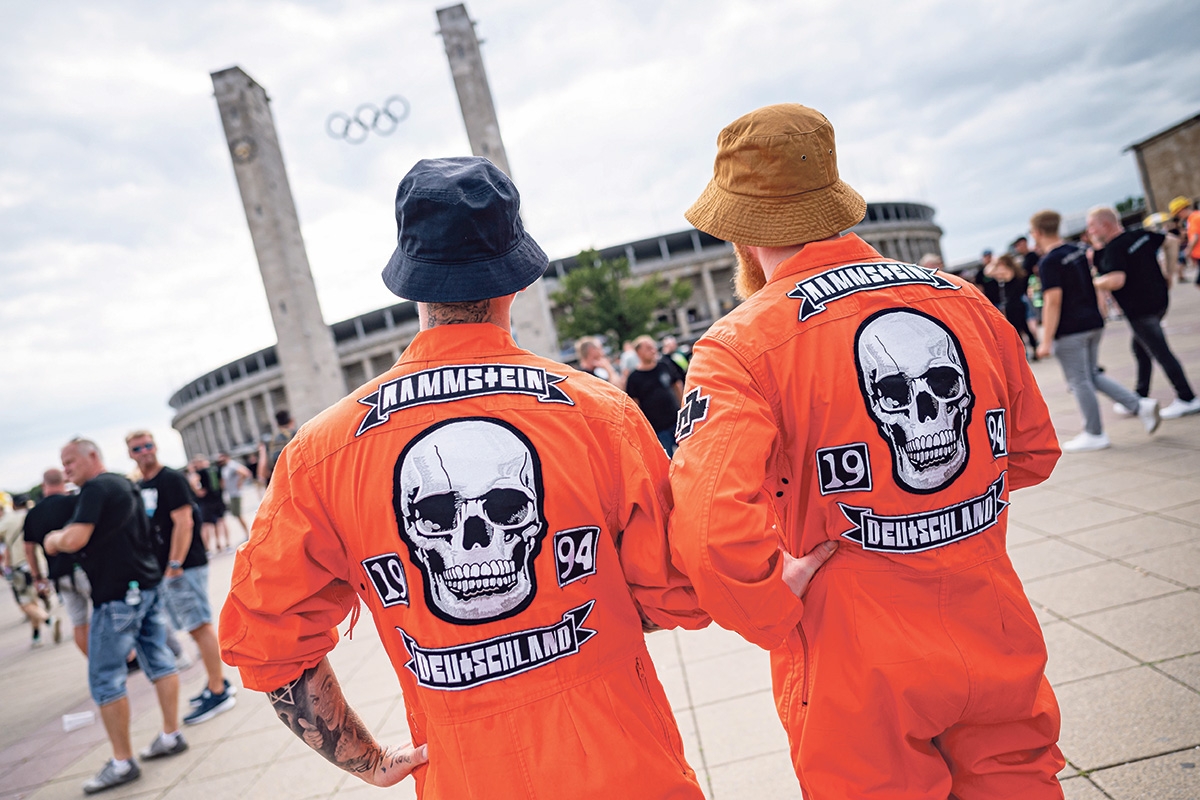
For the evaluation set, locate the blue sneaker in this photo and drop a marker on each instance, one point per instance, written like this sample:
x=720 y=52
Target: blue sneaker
x=229 y=689
x=209 y=706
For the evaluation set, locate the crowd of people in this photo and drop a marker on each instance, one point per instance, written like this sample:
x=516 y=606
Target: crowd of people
x=125 y=559
x=827 y=476
x=1057 y=295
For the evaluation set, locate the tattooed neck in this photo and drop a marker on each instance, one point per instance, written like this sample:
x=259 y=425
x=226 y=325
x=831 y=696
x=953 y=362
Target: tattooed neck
x=313 y=707
x=458 y=313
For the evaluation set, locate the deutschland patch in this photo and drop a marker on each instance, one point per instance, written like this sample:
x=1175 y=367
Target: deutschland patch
x=912 y=533
x=455 y=382
x=834 y=284
x=452 y=669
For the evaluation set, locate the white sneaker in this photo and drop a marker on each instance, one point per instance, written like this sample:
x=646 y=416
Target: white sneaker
x=1086 y=441
x=1122 y=411
x=1179 y=408
x=1148 y=414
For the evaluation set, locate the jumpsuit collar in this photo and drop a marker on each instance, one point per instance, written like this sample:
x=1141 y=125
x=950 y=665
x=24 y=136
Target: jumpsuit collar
x=815 y=255
x=464 y=341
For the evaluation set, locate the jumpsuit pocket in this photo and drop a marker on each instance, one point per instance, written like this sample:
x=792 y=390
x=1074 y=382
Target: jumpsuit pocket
x=674 y=743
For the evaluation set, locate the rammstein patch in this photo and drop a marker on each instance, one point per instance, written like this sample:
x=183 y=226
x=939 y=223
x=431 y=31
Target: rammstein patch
x=912 y=533
x=455 y=382
x=834 y=284
x=452 y=669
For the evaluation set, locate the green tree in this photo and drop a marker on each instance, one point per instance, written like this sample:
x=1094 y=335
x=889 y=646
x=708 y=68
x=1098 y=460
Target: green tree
x=600 y=297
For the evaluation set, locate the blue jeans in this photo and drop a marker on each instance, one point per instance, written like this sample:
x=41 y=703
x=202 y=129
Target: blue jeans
x=186 y=598
x=118 y=628
x=667 y=440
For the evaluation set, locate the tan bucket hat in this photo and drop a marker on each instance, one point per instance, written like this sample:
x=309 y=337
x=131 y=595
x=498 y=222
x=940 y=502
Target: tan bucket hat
x=775 y=181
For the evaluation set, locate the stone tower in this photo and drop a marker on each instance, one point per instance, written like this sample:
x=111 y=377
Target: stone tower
x=533 y=326
x=312 y=376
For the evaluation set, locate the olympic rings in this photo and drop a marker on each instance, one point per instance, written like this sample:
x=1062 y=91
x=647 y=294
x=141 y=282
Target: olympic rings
x=367 y=118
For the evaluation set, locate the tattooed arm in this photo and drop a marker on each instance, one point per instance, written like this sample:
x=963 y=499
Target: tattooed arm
x=313 y=707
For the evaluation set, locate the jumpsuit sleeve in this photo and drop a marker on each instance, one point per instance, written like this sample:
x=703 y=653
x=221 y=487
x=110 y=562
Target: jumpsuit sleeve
x=664 y=594
x=289 y=589
x=1032 y=443
x=725 y=530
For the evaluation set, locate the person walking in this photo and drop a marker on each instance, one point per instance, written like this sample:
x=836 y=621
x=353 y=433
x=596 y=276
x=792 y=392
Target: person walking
x=1071 y=328
x=1129 y=268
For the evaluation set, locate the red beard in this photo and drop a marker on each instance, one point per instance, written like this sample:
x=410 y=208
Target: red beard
x=749 y=277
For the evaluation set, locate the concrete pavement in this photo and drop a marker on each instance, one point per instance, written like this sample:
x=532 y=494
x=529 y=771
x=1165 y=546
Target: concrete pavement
x=1108 y=547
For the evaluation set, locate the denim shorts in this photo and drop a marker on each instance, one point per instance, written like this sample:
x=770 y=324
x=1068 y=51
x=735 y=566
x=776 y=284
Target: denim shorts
x=186 y=598
x=76 y=595
x=118 y=628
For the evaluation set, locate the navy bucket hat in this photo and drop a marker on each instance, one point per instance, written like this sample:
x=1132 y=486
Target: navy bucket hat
x=459 y=234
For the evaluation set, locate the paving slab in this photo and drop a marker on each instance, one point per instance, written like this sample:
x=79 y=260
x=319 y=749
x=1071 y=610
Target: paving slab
x=1170 y=777
x=1121 y=716
x=1095 y=587
x=1076 y=654
x=1185 y=669
x=1081 y=788
x=1151 y=630
x=1076 y=516
x=1134 y=535
x=739 y=728
x=1179 y=563
x=766 y=777
x=1050 y=557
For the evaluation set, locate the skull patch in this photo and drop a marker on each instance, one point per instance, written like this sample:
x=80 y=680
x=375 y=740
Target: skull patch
x=469 y=504
x=913 y=377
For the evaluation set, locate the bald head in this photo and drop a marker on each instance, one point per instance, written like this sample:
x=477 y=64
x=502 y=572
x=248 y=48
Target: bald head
x=81 y=461
x=1103 y=225
x=53 y=482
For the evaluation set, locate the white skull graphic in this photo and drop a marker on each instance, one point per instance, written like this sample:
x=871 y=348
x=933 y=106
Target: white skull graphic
x=914 y=380
x=467 y=496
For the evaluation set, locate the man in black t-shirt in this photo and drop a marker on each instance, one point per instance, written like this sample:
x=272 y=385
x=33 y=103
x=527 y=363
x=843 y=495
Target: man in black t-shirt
x=1130 y=270
x=657 y=390
x=173 y=517
x=63 y=571
x=1072 y=327
x=111 y=530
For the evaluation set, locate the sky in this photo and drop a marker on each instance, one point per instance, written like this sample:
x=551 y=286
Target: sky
x=127 y=268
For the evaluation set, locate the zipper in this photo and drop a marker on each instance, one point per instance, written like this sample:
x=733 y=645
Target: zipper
x=662 y=723
x=804 y=648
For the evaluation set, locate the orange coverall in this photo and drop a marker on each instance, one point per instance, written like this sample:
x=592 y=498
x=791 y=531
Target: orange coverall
x=504 y=519
x=891 y=409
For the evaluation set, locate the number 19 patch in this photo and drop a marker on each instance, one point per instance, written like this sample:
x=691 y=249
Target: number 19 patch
x=575 y=553
x=387 y=574
x=845 y=468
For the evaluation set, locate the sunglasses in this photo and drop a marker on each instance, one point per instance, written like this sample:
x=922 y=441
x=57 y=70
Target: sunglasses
x=141 y=448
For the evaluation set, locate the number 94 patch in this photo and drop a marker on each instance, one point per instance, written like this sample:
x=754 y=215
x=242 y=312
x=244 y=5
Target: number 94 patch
x=845 y=468
x=575 y=553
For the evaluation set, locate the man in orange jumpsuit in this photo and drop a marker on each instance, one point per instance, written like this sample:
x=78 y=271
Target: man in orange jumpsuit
x=504 y=519
x=886 y=408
